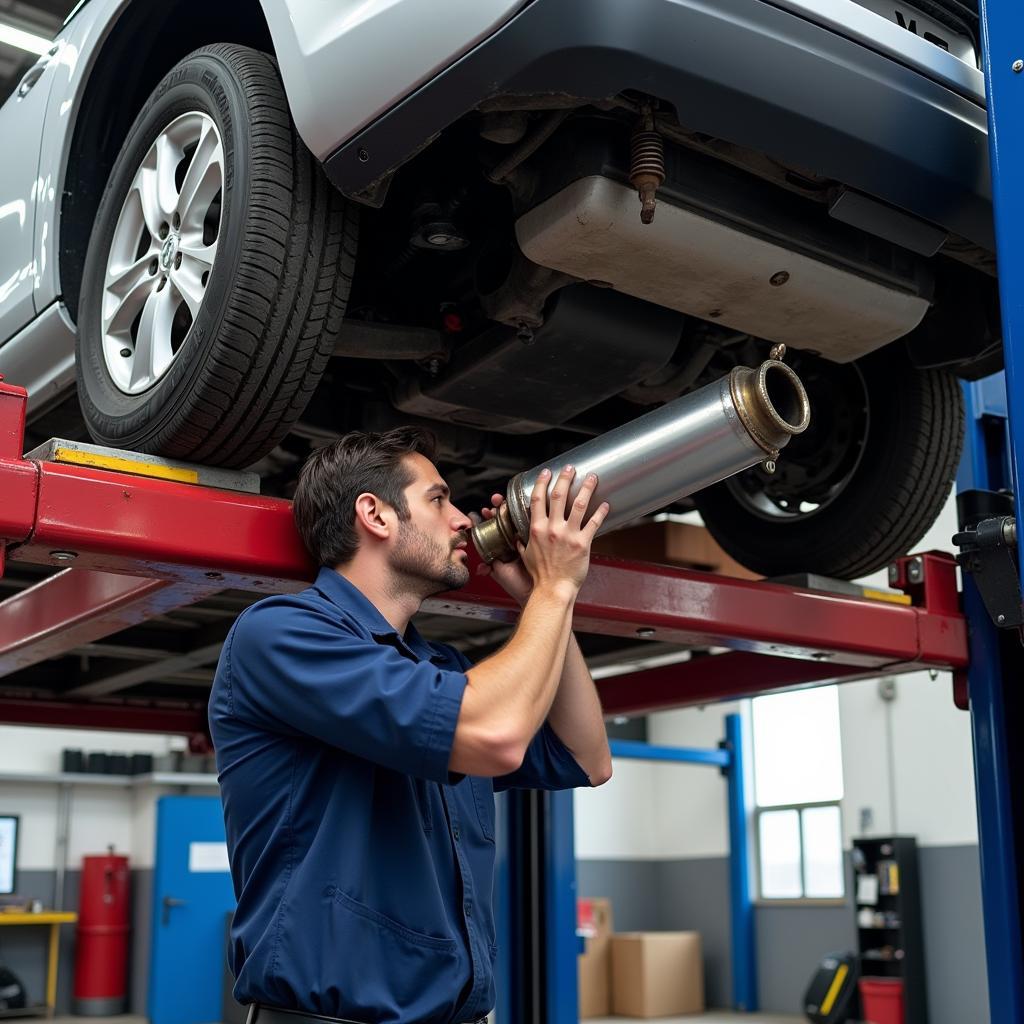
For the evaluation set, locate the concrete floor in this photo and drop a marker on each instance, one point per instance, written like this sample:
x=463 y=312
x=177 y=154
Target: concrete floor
x=714 y=1017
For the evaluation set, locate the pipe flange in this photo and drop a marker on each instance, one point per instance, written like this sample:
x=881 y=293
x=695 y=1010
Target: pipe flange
x=768 y=428
x=494 y=539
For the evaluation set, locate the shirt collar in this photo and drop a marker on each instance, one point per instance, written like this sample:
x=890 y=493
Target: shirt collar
x=349 y=598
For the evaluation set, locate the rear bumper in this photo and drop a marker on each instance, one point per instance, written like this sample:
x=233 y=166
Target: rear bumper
x=741 y=70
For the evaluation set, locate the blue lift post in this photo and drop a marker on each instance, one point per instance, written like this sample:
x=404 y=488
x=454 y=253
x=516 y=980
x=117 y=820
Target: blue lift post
x=995 y=704
x=729 y=759
x=985 y=466
x=536 y=834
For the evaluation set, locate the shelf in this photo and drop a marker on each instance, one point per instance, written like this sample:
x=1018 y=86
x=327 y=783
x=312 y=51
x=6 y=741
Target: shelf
x=75 y=778
x=124 y=781
x=176 y=779
x=27 y=1011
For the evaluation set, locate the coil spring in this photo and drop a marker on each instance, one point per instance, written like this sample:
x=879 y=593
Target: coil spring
x=647 y=169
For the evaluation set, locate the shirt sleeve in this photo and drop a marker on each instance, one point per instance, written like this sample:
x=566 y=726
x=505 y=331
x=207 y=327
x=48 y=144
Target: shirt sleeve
x=297 y=670
x=548 y=765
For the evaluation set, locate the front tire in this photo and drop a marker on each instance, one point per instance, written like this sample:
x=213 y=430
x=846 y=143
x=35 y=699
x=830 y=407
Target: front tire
x=217 y=273
x=861 y=486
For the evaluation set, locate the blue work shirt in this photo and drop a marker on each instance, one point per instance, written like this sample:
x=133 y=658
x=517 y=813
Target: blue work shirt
x=363 y=870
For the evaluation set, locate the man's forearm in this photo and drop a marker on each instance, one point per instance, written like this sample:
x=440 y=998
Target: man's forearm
x=576 y=716
x=510 y=693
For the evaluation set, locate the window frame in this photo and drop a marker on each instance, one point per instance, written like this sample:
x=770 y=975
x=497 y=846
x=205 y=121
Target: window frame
x=802 y=900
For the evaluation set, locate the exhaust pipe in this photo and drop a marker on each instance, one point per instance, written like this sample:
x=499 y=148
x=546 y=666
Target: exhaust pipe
x=689 y=443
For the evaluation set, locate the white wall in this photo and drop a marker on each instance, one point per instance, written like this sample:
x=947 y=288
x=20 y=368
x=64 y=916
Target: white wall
x=922 y=784
x=660 y=811
x=31 y=749
x=122 y=815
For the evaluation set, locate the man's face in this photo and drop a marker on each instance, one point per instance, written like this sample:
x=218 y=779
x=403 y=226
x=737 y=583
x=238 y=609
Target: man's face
x=430 y=549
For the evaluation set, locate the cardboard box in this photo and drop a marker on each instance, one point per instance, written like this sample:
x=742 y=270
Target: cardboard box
x=657 y=974
x=682 y=544
x=594 y=924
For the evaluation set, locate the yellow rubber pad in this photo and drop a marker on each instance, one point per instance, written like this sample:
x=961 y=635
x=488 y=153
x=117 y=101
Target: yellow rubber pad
x=882 y=595
x=119 y=465
x=833 y=990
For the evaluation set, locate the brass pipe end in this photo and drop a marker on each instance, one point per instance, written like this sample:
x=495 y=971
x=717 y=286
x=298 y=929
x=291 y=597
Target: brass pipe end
x=771 y=402
x=495 y=539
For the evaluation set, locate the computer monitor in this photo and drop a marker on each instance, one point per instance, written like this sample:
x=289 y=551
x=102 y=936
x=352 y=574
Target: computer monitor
x=8 y=852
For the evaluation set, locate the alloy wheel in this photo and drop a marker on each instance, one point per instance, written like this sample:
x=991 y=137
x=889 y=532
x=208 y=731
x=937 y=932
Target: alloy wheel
x=162 y=253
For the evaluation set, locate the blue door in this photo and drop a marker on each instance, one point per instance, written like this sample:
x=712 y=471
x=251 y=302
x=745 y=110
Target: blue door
x=192 y=896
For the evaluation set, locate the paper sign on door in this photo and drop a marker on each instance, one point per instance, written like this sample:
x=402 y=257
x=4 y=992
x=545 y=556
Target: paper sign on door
x=208 y=857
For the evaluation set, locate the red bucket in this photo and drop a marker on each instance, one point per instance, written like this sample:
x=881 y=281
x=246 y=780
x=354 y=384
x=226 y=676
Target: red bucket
x=881 y=1000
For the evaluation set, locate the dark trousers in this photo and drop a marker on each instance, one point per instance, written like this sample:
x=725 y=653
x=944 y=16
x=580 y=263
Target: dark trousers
x=260 y=1014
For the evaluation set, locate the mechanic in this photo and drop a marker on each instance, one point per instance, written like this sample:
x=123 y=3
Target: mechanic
x=358 y=762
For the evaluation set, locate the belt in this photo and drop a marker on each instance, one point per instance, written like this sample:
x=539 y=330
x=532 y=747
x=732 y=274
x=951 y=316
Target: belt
x=262 y=1014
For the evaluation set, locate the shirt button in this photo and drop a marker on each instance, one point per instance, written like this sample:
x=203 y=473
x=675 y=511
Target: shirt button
x=455 y=832
x=468 y=907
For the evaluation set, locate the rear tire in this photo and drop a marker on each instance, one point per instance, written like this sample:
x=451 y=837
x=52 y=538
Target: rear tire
x=886 y=493
x=272 y=302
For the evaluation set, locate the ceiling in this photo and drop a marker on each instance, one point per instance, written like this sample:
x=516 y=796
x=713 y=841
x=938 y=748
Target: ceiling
x=37 y=17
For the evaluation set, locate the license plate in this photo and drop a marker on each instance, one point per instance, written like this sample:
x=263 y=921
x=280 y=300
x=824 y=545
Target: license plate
x=912 y=20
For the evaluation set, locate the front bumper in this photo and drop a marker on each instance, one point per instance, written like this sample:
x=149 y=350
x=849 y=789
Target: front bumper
x=740 y=70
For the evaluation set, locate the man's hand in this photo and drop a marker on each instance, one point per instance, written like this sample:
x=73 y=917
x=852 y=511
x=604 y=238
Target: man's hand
x=558 y=552
x=512 y=577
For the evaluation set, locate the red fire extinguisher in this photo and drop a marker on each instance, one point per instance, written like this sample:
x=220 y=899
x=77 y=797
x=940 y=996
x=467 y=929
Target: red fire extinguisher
x=101 y=946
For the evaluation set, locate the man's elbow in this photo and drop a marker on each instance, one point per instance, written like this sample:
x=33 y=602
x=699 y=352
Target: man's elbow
x=487 y=752
x=507 y=751
x=601 y=773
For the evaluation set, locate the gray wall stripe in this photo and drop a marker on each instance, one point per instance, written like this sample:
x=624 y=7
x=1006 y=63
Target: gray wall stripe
x=694 y=894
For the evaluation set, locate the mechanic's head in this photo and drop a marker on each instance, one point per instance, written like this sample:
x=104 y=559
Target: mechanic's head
x=382 y=493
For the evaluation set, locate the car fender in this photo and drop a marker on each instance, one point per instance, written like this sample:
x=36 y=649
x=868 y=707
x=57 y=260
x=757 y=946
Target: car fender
x=81 y=44
x=344 y=64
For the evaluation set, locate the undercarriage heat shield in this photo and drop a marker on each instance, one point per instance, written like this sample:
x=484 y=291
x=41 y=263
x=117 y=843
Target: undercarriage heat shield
x=697 y=262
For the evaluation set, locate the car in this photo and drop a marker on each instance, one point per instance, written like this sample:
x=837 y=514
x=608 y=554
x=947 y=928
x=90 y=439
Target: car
x=232 y=232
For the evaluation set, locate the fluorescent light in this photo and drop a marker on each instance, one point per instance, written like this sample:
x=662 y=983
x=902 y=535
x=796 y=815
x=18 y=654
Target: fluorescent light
x=23 y=40
x=638 y=664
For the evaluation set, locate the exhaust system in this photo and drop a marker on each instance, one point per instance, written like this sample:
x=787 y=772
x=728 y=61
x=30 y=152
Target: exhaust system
x=689 y=443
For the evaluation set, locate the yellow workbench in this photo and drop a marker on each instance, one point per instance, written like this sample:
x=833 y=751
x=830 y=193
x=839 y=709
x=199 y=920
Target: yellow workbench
x=53 y=918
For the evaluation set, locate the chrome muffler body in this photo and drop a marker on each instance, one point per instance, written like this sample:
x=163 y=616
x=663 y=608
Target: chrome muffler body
x=692 y=442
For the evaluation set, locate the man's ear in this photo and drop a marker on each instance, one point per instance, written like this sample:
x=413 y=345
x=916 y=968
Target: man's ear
x=375 y=516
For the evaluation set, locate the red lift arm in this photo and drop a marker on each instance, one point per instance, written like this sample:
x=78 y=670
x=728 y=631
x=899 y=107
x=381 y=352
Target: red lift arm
x=135 y=547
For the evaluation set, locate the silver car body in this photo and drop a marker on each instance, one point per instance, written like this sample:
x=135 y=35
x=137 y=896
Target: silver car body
x=343 y=65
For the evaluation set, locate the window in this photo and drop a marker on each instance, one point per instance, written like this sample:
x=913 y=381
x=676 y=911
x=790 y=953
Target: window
x=798 y=783
x=8 y=852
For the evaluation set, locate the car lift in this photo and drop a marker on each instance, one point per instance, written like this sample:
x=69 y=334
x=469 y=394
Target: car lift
x=139 y=545
x=136 y=546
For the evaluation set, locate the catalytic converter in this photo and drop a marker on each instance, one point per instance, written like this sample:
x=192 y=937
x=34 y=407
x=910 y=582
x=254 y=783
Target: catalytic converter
x=687 y=444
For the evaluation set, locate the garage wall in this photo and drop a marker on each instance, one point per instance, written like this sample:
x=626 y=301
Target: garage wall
x=123 y=816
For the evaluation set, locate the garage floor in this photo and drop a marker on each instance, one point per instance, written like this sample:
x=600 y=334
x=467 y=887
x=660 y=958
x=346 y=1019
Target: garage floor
x=714 y=1017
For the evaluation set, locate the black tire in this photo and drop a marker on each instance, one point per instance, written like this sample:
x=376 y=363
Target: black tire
x=898 y=473
x=275 y=297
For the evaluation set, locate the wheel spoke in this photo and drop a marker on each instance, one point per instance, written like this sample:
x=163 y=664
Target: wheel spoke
x=145 y=186
x=189 y=286
x=199 y=256
x=203 y=179
x=153 y=352
x=168 y=155
x=126 y=291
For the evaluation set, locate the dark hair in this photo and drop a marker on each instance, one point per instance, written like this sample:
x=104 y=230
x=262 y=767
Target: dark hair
x=335 y=475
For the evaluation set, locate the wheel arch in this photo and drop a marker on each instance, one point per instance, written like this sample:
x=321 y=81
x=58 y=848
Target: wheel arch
x=141 y=46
